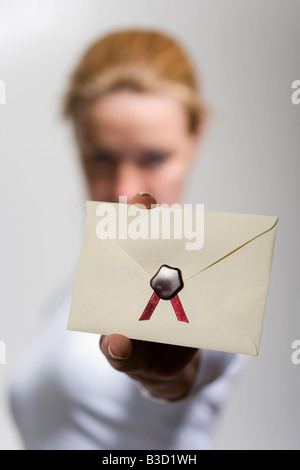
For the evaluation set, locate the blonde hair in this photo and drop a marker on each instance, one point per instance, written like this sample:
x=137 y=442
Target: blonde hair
x=138 y=60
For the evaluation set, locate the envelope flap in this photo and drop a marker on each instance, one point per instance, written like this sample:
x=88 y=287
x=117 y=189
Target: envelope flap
x=224 y=233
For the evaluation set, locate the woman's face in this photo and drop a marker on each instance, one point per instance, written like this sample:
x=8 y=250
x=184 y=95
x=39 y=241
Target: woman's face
x=132 y=142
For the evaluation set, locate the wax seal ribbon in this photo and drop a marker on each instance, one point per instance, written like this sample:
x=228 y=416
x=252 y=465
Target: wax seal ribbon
x=166 y=284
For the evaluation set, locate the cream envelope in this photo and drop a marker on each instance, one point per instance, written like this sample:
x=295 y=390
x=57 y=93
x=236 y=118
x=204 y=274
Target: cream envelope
x=225 y=283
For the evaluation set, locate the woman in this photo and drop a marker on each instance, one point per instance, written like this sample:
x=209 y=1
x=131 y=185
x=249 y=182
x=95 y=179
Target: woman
x=138 y=120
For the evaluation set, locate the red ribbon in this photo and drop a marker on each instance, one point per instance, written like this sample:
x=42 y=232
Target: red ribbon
x=175 y=301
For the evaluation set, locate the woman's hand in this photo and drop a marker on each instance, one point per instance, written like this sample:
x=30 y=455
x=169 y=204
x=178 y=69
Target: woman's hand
x=166 y=371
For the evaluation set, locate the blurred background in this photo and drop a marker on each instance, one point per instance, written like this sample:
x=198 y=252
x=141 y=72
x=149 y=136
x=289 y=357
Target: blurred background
x=247 y=56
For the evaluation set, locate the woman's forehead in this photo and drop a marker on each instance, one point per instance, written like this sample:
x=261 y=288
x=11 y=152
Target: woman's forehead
x=128 y=117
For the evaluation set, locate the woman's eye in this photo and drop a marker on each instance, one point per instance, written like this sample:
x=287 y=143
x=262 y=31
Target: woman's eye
x=153 y=159
x=103 y=158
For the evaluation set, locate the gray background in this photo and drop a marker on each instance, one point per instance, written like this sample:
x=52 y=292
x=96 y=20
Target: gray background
x=247 y=54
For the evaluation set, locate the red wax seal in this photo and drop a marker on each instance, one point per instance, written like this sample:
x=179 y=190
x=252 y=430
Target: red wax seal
x=166 y=284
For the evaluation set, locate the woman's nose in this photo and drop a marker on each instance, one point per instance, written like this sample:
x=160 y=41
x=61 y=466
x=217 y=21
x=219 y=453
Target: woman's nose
x=129 y=181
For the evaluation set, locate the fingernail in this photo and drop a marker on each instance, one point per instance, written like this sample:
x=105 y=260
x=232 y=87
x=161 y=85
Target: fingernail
x=113 y=355
x=144 y=199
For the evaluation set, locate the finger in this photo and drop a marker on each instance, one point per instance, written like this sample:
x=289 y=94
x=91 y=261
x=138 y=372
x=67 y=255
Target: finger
x=124 y=354
x=145 y=199
x=168 y=359
x=117 y=347
x=137 y=356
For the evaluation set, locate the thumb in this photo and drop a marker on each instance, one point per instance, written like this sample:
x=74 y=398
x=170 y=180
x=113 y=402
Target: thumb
x=124 y=354
x=145 y=199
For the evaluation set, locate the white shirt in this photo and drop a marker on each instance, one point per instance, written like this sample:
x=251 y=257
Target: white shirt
x=65 y=396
